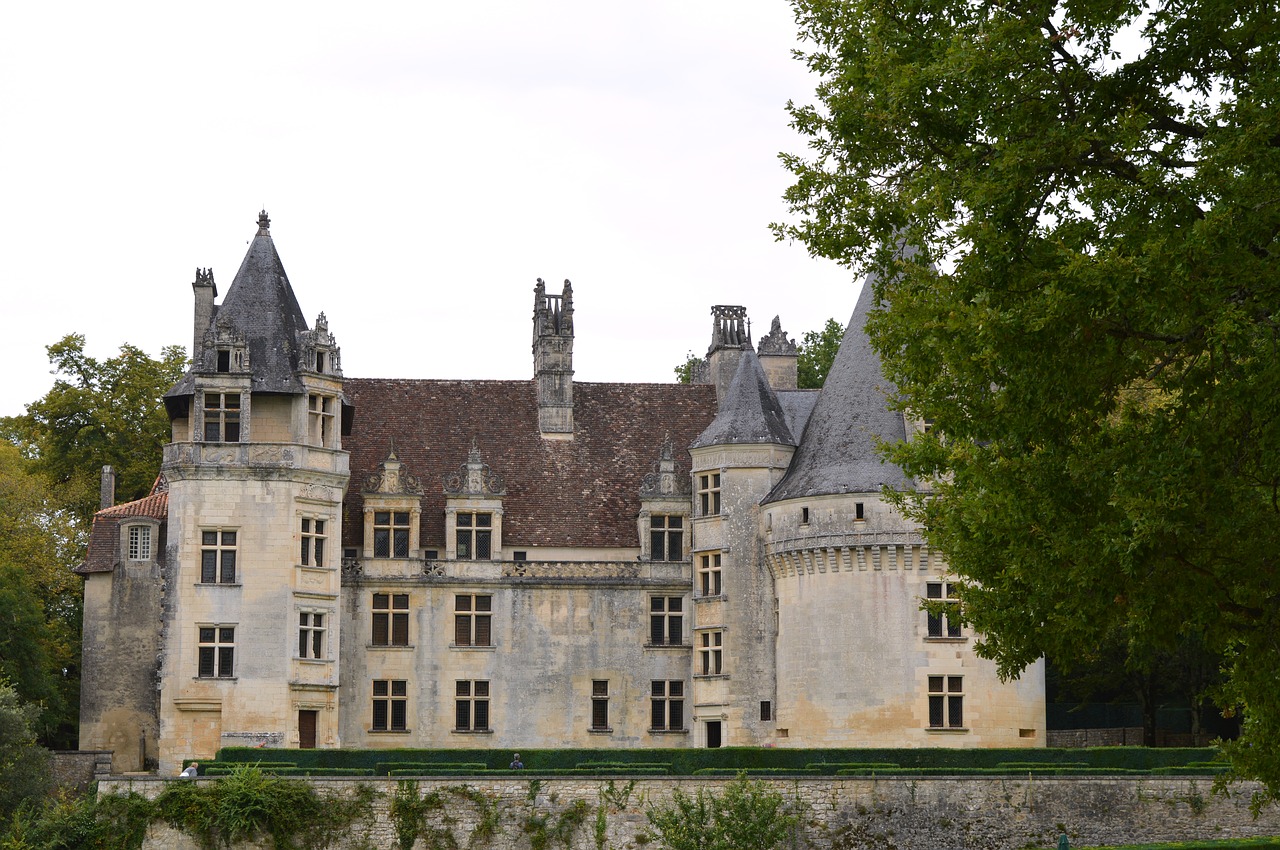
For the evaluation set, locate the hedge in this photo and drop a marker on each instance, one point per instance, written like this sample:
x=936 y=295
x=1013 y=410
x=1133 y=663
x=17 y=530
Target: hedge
x=685 y=762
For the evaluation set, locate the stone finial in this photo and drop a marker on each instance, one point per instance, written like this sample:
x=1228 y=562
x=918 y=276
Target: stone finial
x=392 y=477
x=776 y=341
x=666 y=478
x=264 y=224
x=474 y=478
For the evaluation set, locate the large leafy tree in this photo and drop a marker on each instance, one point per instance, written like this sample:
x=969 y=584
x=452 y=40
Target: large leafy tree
x=1074 y=208
x=815 y=354
x=99 y=412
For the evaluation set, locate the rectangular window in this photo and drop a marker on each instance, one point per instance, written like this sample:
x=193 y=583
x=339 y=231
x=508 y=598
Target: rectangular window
x=390 y=619
x=472 y=620
x=666 y=620
x=475 y=536
x=313 y=533
x=320 y=411
x=947 y=623
x=666 y=702
x=946 y=702
x=217 y=556
x=666 y=538
x=310 y=634
x=390 y=705
x=471 y=706
x=217 y=652
x=766 y=710
x=140 y=543
x=709 y=493
x=710 y=647
x=221 y=417
x=600 y=705
x=709 y=574
x=391 y=534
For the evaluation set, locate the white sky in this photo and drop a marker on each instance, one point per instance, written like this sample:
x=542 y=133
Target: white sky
x=422 y=163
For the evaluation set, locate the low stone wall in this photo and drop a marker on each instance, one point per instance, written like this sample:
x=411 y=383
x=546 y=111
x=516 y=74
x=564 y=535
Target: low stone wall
x=839 y=813
x=76 y=770
x=1123 y=736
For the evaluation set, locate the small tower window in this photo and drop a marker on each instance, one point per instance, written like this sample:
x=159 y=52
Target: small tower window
x=222 y=417
x=224 y=360
x=857 y=511
x=140 y=543
x=804 y=516
x=319 y=361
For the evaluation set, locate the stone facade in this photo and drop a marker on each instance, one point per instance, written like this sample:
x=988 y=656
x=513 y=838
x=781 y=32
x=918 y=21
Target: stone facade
x=342 y=562
x=837 y=813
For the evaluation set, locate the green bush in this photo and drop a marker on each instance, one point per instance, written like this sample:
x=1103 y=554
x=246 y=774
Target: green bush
x=428 y=767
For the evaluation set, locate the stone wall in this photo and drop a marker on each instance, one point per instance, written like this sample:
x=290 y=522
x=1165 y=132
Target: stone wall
x=76 y=770
x=838 y=813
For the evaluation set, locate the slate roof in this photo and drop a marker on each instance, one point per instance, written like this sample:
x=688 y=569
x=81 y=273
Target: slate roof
x=837 y=451
x=579 y=492
x=261 y=305
x=100 y=556
x=751 y=412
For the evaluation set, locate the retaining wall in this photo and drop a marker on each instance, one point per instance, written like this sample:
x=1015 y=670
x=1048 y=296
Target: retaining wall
x=921 y=813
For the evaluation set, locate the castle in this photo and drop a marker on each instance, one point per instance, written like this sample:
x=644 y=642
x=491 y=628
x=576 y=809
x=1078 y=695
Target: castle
x=329 y=561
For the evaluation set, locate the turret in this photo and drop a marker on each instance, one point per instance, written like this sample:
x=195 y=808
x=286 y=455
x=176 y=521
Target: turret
x=553 y=360
x=779 y=357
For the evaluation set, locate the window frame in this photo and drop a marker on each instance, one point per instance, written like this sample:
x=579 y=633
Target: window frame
x=664 y=620
x=709 y=493
x=320 y=418
x=472 y=701
x=710 y=574
x=222 y=420
x=666 y=702
x=478 y=535
x=666 y=533
x=312 y=635
x=946 y=702
x=391 y=536
x=390 y=708
x=472 y=623
x=314 y=532
x=216 y=653
x=711 y=652
x=946 y=625
x=219 y=556
x=139 y=541
x=393 y=614
x=600 y=706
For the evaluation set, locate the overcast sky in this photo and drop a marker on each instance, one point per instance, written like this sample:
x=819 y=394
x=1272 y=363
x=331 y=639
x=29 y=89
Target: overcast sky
x=422 y=163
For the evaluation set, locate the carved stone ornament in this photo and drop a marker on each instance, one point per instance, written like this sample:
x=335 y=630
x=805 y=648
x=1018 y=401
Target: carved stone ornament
x=775 y=341
x=392 y=478
x=474 y=478
x=666 y=478
x=161 y=485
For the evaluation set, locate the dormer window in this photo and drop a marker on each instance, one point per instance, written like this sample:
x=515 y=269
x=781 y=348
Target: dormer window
x=474 y=536
x=222 y=417
x=391 y=534
x=224 y=360
x=140 y=543
x=320 y=361
x=666 y=538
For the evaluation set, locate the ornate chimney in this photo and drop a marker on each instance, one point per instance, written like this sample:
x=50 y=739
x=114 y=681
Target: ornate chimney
x=205 y=291
x=553 y=360
x=730 y=335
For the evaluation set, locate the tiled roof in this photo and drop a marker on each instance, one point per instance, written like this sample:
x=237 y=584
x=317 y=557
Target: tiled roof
x=261 y=305
x=837 y=452
x=579 y=492
x=751 y=412
x=105 y=536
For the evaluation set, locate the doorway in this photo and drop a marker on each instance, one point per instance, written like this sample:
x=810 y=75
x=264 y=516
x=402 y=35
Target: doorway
x=713 y=734
x=307 y=729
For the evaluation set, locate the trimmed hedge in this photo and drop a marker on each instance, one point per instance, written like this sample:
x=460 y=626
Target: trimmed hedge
x=685 y=762
x=384 y=768
x=224 y=770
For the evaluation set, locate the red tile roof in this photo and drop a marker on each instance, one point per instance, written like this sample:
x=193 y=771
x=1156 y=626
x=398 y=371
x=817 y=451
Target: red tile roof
x=105 y=536
x=579 y=492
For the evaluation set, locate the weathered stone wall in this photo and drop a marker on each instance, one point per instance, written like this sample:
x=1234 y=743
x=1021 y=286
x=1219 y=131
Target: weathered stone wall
x=838 y=813
x=75 y=770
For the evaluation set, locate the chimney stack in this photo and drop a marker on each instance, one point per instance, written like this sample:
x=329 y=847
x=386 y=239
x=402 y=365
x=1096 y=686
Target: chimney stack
x=205 y=291
x=107 y=490
x=553 y=360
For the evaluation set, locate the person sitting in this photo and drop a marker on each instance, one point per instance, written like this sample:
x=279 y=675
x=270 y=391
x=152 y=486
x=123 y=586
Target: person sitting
x=516 y=764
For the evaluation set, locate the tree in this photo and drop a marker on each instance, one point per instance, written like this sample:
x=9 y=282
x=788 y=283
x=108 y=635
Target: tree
x=817 y=351
x=747 y=816
x=40 y=598
x=1072 y=211
x=687 y=371
x=99 y=413
x=24 y=766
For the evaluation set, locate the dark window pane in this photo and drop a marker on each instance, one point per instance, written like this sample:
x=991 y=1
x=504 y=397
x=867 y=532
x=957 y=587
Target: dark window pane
x=955 y=711
x=482 y=689
x=657 y=714
x=935 y=625
x=400 y=629
x=675 y=630
x=482 y=630
x=228 y=567
x=933 y=591
x=402 y=518
x=484 y=520
x=484 y=603
x=380 y=629
x=209 y=538
x=399 y=688
x=656 y=539
x=483 y=539
x=209 y=566
x=462 y=630
x=379 y=687
x=675 y=689
x=381 y=543
x=380 y=714
x=212 y=432
x=319 y=544
x=400 y=601
x=464 y=520
x=599 y=714
x=675 y=714
x=482 y=714
x=398 y=714
x=656 y=632
x=658 y=688
x=402 y=542
x=935 y=711
x=225 y=656
x=381 y=517
x=675 y=603
x=464 y=545
x=935 y=684
x=675 y=551
x=206 y=661
x=462 y=714
x=953 y=626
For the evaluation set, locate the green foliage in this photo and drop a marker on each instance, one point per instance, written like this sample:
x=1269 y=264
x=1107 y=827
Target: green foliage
x=84 y=822
x=815 y=354
x=24 y=766
x=99 y=412
x=250 y=804
x=747 y=816
x=687 y=370
x=1075 y=237
x=546 y=829
x=40 y=598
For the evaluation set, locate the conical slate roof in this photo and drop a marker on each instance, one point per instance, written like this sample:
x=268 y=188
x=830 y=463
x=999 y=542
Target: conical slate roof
x=751 y=412
x=837 y=452
x=261 y=308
